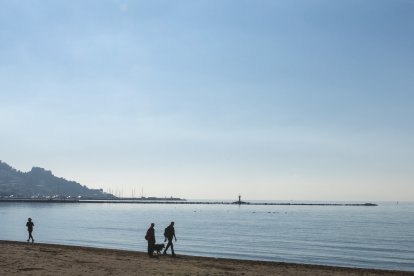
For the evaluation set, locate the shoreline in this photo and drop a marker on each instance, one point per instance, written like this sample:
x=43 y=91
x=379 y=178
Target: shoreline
x=21 y=258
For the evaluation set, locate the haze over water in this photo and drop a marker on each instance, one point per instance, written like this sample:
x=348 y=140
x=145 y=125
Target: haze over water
x=369 y=237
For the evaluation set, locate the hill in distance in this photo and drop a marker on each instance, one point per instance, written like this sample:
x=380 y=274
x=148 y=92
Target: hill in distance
x=41 y=183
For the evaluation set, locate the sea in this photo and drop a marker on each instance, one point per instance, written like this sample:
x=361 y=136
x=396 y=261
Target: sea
x=380 y=237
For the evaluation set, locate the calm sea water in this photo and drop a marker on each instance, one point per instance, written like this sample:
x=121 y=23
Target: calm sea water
x=369 y=237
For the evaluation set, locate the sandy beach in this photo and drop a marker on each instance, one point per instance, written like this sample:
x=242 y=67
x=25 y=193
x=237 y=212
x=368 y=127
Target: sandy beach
x=18 y=258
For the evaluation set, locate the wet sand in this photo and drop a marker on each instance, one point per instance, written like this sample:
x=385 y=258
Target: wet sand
x=18 y=258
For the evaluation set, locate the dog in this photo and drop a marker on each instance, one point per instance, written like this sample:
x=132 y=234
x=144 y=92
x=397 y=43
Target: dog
x=158 y=248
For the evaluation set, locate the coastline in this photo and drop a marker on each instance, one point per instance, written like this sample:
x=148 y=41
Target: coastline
x=20 y=258
x=178 y=201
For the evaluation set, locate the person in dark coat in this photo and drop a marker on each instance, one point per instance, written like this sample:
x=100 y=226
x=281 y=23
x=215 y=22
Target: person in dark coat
x=30 y=226
x=169 y=234
x=150 y=237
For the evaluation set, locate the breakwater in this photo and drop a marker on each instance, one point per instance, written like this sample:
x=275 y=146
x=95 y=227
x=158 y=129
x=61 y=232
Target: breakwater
x=120 y=201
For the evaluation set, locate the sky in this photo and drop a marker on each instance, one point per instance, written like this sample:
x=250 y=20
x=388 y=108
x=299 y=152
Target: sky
x=209 y=99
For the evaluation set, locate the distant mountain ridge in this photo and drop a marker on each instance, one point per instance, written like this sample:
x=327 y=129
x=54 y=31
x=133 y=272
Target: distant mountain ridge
x=41 y=183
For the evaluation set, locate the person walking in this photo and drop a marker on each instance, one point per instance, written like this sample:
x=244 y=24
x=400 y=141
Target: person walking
x=30 y=226
x=150 y=237
x=169 y=234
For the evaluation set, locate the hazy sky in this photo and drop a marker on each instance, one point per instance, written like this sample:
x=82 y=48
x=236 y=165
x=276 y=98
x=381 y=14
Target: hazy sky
x=272 y=99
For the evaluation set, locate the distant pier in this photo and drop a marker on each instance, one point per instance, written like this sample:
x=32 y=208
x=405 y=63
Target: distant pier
x=184 y=202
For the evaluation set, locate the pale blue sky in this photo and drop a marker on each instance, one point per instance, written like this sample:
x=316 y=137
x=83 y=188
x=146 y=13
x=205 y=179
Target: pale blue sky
x=281 y=99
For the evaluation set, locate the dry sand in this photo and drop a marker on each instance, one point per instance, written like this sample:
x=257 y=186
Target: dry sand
x=17 y=258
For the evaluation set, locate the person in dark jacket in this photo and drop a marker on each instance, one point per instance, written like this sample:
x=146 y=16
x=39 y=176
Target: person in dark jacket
x=150 y=237
x=30 y=226
x=169 y=234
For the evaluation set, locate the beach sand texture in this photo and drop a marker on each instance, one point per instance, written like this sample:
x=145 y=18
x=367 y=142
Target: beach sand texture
x=17 y=258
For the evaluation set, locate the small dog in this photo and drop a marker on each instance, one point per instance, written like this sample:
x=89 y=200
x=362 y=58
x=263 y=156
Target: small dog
x=158 y=247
